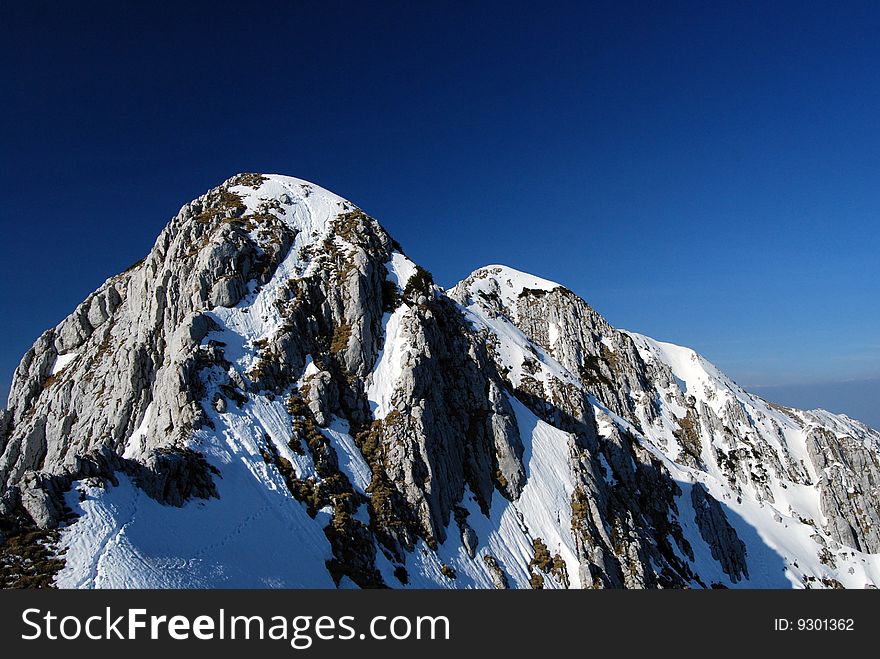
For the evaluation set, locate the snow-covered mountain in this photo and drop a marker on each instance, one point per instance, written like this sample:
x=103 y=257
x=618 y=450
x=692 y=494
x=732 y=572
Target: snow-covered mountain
x=277 y=396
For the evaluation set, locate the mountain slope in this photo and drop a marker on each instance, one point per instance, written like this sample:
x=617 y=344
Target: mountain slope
x=277 y=396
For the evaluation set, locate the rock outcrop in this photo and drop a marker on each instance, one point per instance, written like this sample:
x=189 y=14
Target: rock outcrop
x=716 y=530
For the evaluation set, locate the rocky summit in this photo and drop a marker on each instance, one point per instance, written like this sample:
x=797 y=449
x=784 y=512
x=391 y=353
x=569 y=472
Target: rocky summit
x=276 y=396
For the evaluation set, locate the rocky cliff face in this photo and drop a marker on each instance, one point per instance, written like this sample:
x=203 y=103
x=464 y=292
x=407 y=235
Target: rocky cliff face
x=276 y=395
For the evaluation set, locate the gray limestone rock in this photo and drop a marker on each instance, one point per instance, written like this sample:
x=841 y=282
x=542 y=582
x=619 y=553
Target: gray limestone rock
x=323 y=396
x=508 y=443
x=849 y=486
x=173 y=476
x=721 y=537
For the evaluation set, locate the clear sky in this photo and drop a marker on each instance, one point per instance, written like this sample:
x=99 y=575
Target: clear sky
x=705 y=173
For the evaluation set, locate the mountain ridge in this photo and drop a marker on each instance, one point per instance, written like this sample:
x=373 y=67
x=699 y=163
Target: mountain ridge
x=277 y=373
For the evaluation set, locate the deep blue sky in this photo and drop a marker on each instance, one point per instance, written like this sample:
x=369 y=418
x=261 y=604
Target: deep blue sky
x=706 y=173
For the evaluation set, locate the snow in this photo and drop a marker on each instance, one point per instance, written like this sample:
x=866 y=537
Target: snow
x=513 y=348
x=552 y=334
x=255 y=535
x=505 y=283
x=351 y=462
x=61 y=361
x=686 y=365
x=513 y=281
x=249 y=538
x=389 y=365
x=544 y=507
x=543 y=511
x=400 y=269
x=133 y=446
x=310 y=212
x=310 y=369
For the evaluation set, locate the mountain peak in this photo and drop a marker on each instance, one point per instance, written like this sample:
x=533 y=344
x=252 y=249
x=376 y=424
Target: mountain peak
x=501 y=287
x=249 y=198
x=510 y=281
x=277 y=396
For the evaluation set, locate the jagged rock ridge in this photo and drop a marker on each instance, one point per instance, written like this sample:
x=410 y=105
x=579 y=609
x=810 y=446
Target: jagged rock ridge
x=276 y=395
